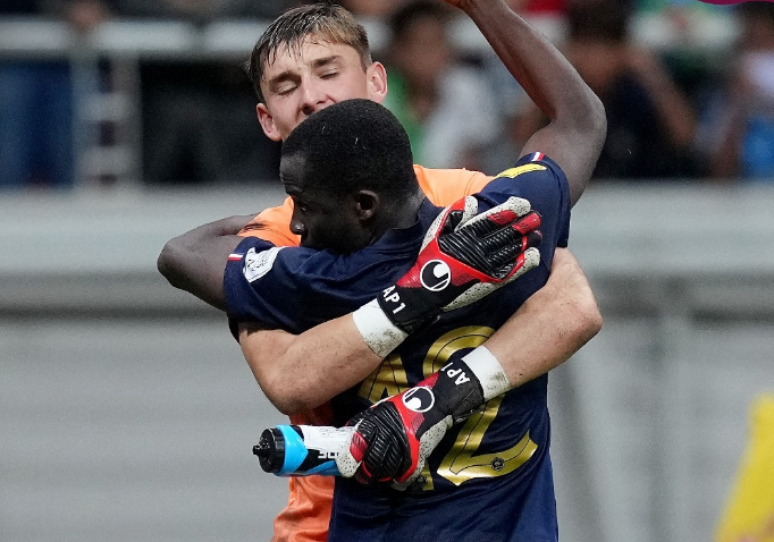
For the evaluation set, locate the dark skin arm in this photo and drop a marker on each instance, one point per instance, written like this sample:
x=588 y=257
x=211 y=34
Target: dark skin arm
x=577 y=125
x=195 y=261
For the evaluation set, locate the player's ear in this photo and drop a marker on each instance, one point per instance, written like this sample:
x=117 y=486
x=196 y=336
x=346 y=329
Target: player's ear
x=377 y=82
x=367 y=204
x=267 y=122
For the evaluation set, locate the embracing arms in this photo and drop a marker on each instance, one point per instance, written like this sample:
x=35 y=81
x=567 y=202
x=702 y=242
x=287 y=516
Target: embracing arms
x=195 y=260
x=554 y=323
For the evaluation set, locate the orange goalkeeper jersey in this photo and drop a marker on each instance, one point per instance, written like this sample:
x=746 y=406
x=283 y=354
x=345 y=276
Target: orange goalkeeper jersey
x=306 y=517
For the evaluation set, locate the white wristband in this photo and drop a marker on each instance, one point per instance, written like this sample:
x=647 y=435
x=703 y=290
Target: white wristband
x=378 y=332
x=483 y=364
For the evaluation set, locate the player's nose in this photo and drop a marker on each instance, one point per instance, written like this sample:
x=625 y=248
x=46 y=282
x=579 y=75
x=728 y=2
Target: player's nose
x=313 y=98
x=297 y=227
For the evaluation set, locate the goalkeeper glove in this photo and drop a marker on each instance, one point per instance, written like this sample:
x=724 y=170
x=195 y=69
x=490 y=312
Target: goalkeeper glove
x=393 y=438
x=464 y=257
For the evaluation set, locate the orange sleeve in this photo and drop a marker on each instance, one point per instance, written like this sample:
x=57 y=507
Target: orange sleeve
x=273 y=225
x=445 y=186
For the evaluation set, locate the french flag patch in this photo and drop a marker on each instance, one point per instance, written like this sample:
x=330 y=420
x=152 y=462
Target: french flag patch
x=537 y=157
x=235 y=257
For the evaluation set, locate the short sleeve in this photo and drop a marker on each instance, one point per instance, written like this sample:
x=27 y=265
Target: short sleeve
x=540 y=181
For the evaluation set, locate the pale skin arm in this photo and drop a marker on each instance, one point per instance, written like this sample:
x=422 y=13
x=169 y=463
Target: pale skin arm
x=551 y=326
x=330 y=358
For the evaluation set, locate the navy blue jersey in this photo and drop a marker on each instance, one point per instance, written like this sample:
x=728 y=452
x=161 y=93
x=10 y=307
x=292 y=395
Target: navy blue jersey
x=491 y=475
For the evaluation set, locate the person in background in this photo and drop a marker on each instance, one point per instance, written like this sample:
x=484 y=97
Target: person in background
x=446 y=107
x=37 y=102
x=737 y=131
x=651 y=123
x=372 y=9
x=194 y=127
x=204 y=10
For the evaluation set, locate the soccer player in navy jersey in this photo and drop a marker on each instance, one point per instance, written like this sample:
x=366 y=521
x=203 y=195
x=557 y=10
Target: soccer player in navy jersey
x=363 y=218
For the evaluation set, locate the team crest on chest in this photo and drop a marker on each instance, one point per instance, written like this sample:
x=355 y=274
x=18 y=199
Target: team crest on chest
x=257 y=264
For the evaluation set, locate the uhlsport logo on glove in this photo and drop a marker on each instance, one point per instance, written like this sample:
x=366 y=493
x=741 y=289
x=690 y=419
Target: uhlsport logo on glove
x=435 y=275
x=419 y=399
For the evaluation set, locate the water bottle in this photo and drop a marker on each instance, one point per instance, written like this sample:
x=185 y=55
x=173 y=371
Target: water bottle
x=301 y=450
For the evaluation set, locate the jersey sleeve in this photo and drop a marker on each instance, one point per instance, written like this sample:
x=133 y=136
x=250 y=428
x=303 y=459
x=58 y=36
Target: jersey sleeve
x=445 y=186
x=292 y=288
x=273 y=225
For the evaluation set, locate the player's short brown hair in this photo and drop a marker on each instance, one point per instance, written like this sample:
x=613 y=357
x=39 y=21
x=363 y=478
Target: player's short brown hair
x=326 y=22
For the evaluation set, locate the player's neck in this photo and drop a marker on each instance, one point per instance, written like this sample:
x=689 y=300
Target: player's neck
x=401 y=214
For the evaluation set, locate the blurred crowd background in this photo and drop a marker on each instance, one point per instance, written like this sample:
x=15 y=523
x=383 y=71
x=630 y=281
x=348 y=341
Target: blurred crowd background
x=688 y=88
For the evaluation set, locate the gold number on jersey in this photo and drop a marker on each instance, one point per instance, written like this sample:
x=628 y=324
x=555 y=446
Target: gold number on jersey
x=516 y=171
x=461 y=462
x=388 y=380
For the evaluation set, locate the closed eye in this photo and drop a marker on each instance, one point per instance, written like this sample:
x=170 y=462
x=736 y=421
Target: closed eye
x=284 y=83
x=284 y=90
x=300 y=205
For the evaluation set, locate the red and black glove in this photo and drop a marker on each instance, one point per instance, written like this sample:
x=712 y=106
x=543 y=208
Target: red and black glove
x=393 y=439
x=465 y=256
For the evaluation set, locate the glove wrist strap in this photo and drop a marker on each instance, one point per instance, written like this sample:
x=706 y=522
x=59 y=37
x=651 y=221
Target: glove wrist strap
x=457 y=392
x=377 y=331
x=467 y=383
x=490 y=374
